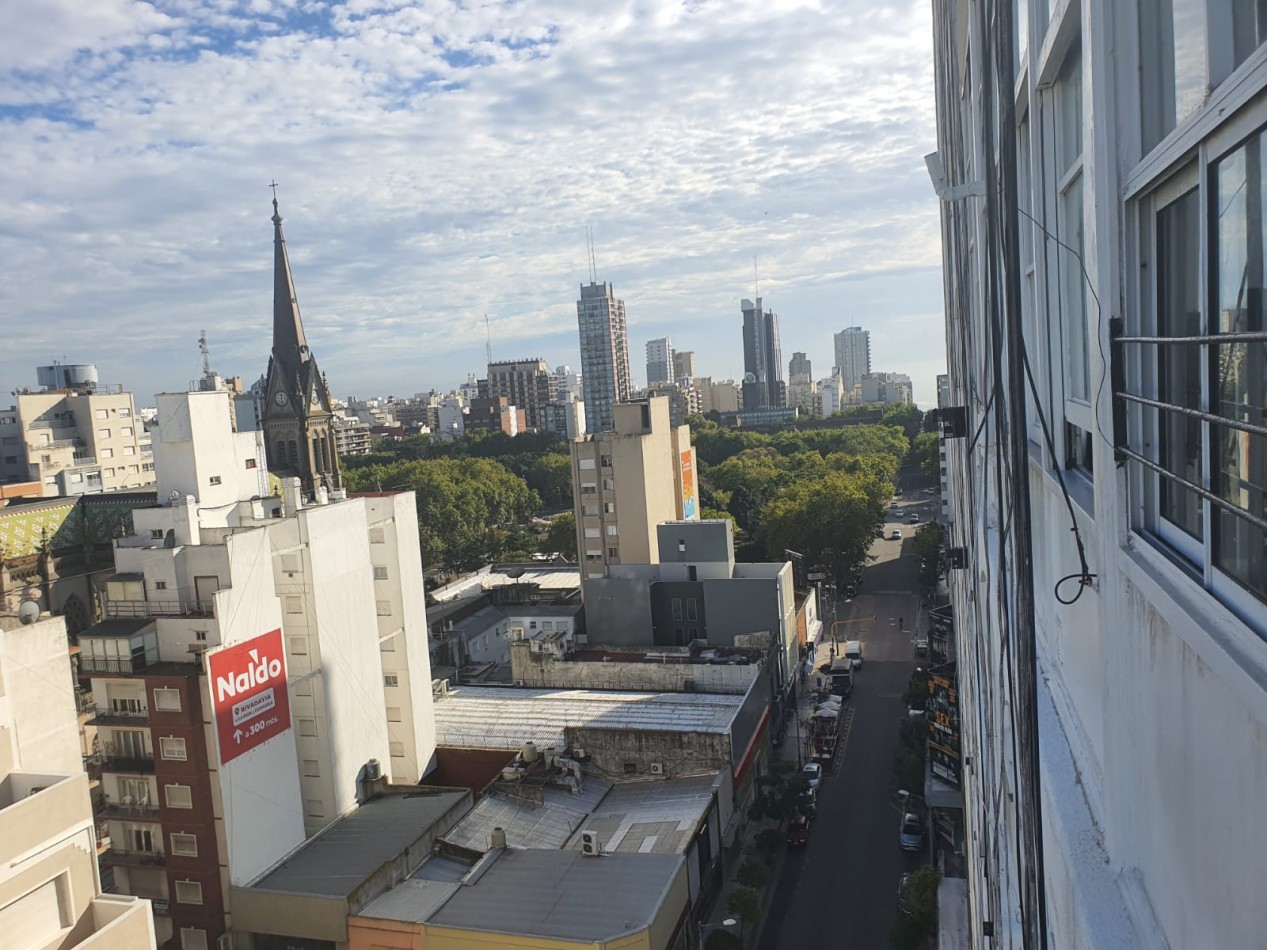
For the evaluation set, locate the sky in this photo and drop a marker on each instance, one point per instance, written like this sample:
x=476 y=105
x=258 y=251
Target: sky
x=438 y=161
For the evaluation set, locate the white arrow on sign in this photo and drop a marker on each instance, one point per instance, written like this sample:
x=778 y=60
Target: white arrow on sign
x=237 y=736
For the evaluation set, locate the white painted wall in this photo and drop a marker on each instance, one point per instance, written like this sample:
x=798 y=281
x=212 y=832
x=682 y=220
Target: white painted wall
x=37 y=705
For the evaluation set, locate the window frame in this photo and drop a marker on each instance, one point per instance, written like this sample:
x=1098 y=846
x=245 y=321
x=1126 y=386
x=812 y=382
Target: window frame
x=162 y=749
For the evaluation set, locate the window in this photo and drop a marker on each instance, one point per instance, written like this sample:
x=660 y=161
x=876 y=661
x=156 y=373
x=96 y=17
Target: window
x=250 y=463
x=593 y=533
x=178 y=796
x=611 y=531
x=200 y=636
x=102 y=414
x=76 y=478
x=127 y=432
x=314 y=809
x=172 y=748
x=167 y=700
x=188 y=892
x=396 y=749
x=388 y=644
x=133 y=469
x=312 y=768
x=586 y=465
x=109 y=473
x=308 y=727
x=692 y=609
x=214 y=480
x=393 y=714
x=613 y=552
x=378 y=536
x=103 y=433
x=156 y=534
x=298 y=646
x=380 y=572
x=294 y=604
x=609 y=484
x=590 y=511
x=605 y=461
x=191 y=938
x=676 y=607
x=588 y=488
x=609 y=507
x=125 y=413
x=160 y=585
x=384 y=608
x=391 y=679
x=184 y=845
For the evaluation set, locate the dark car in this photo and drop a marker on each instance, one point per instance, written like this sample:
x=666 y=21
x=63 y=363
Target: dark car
x=902 y=884
x=798 y=831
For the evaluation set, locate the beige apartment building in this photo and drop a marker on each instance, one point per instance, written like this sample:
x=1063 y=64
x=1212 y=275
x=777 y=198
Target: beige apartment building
x=80 y=439
x=50 y=888
x=628 y=480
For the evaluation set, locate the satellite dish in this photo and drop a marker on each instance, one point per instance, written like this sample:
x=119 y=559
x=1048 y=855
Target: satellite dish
x=173 y=494
x=749 y=377
x=29 y=612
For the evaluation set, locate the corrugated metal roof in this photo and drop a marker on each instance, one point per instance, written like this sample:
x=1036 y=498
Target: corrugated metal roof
x=489 y=717
x=413 y=899
x=650 y=817
x=563 y=895
x=527 y=824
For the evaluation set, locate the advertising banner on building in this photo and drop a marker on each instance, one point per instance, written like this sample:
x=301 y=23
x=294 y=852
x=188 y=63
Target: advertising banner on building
x=690 y=496
x=248 y=694
x=943 y=728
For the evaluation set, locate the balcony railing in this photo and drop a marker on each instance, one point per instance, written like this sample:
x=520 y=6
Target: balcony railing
x=127 y=763
x=161 y=906
x=181 y=607
x=84 y=703
x=111 y=664
x=93 y=764
x=142 y=810
x=121 y=855
x=111 y=716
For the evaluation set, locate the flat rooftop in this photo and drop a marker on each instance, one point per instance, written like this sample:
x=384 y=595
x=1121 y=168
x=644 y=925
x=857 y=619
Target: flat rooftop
x=491 y=717
x=545 y=577
x=563 y=895
x=650 y=817
x=339 y=859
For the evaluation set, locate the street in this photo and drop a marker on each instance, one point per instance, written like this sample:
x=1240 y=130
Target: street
x=841 y=888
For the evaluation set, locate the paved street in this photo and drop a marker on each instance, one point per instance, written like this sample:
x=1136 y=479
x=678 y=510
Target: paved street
x=841 y=889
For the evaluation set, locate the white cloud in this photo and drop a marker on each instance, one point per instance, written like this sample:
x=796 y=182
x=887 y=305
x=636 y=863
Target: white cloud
x=439 y=160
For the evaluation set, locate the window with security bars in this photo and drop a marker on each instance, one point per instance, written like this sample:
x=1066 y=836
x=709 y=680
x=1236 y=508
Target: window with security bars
x=1190 y=374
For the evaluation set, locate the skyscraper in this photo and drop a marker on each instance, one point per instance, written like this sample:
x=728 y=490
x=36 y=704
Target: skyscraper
x=763 y=386
x=604 y=353
x=683 y=364
x=298 y=418
x=659 y=362
x=528 y=384
x=800 y=383
x=853 y=356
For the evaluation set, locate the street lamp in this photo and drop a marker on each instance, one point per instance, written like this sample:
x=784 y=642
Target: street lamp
x=706 y=929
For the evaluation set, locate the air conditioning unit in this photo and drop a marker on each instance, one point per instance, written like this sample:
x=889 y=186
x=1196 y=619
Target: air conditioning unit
x=590 y=844
x=519 y=683
x=578 y=753
x=688 y=686
x=516 y=633
x=657 y=768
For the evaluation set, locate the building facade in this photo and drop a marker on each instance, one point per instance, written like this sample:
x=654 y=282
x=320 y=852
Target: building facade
x=495 y=414
x=763 y=386
x=627 y=481
x=886 y=389
x=660 y=362
x=1115 y=247
x=527 y=384
x=604 y=353
x=81 y=438
x=853 y=356
x=801 y=388
x=298 y=415
x=684 y=364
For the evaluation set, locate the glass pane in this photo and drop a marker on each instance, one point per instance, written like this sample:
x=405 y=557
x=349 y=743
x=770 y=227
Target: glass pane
x=1074 y=315
x=1240 y=393
x=1172 y=39
x=1022 y=30
x=1249 y=27
x=1179 y=366
x=1069 y=102
x=1190 y=55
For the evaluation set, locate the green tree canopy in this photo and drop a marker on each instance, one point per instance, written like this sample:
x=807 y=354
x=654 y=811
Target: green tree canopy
x=926 y=453
x=907 y=415
x=560 y=537
x=831 y=520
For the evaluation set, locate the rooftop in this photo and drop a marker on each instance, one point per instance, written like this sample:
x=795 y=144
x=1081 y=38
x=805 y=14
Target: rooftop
x=546 y=577
x=339 y=859
x=490 y=717
x=650 y=817
x=547 y=824
x=563 y=895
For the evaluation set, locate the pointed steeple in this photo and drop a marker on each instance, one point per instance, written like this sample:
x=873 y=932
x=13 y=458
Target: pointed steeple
x=290 y=347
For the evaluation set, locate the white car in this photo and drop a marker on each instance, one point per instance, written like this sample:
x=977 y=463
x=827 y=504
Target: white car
x=896 y=535
x=814 y=772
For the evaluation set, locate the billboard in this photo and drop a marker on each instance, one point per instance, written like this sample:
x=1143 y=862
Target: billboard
x=248 y=694
x=943 y=729
x=690 y=496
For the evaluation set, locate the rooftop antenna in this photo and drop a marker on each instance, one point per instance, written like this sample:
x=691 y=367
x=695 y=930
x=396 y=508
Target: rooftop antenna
x=756 y=281
x=206 y=352
x=589 y=238
x=488 y=344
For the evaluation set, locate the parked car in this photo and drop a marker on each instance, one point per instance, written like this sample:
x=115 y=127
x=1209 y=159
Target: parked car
x=798 y=831
x=853 y=653
x=896 y=535
x=910 y=835
x=902 y=884
x=913 y=519
x=814 y=773
x=921 y=646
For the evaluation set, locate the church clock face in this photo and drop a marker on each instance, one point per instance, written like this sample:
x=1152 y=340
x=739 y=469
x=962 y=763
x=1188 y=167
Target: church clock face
x=281 y=399
x=316 y=401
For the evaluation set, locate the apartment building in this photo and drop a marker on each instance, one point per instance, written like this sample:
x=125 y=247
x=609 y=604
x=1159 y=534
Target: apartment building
x=627 y=480
x=222 y=587
x=852 y=347
x=660 y=362
x=886 y=389
x=604 y=339
x=50 y=888
x=683 y=364
x=1100 y=174
x=527 y=384
x=351 y=436
x=76 y=436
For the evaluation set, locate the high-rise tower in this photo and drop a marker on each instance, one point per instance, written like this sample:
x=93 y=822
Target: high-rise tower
x=660 y=362
x=763 y=386
x=604 y=353
x=298 y=420
x=853 y=356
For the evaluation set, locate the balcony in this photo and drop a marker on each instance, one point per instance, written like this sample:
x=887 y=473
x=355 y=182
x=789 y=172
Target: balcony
x=84 y=703
x=143 y=764
x=118 y=854
x=118 y=921
x=93 y=765
x=142 y=811
x=36 y=809
x=178 y=607
x=111 y=664
x=116 y=716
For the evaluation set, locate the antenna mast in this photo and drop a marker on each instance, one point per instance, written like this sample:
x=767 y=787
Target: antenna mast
x=589 y=238
x=756 y=281
x=488 y=344
x=206 y=352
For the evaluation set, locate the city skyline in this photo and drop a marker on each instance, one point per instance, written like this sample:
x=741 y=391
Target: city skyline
x=430 y=180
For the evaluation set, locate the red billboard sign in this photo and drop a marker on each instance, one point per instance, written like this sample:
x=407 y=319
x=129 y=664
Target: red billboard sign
x=248 y=694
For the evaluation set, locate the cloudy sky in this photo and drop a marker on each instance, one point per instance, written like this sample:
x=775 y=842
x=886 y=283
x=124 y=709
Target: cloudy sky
x=440 y=159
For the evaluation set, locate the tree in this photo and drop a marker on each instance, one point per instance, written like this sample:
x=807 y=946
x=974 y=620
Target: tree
x=932 y=421
x=745 y=904
x=561 y=536
x=831 y=520
x=928 y=542
x=926 y=453
x=753 y=873
x=550 y=476
x=780 y=792
x=907 y=415
x=917 y=924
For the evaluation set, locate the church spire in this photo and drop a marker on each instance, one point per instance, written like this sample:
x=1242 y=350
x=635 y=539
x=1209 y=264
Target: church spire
x=290 y=347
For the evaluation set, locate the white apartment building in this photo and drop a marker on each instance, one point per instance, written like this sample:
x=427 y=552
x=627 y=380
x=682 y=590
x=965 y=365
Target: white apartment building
x=852 y=347
x=217 y=569
x=627 y=480
x=83 y=439
x=1114 y=745
x=660 y=369
x=886 y=389
x=830 y=397
x=50 y=887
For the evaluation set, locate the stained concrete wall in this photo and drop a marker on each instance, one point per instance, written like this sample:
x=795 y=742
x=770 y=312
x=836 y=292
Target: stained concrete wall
x=546 y=671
